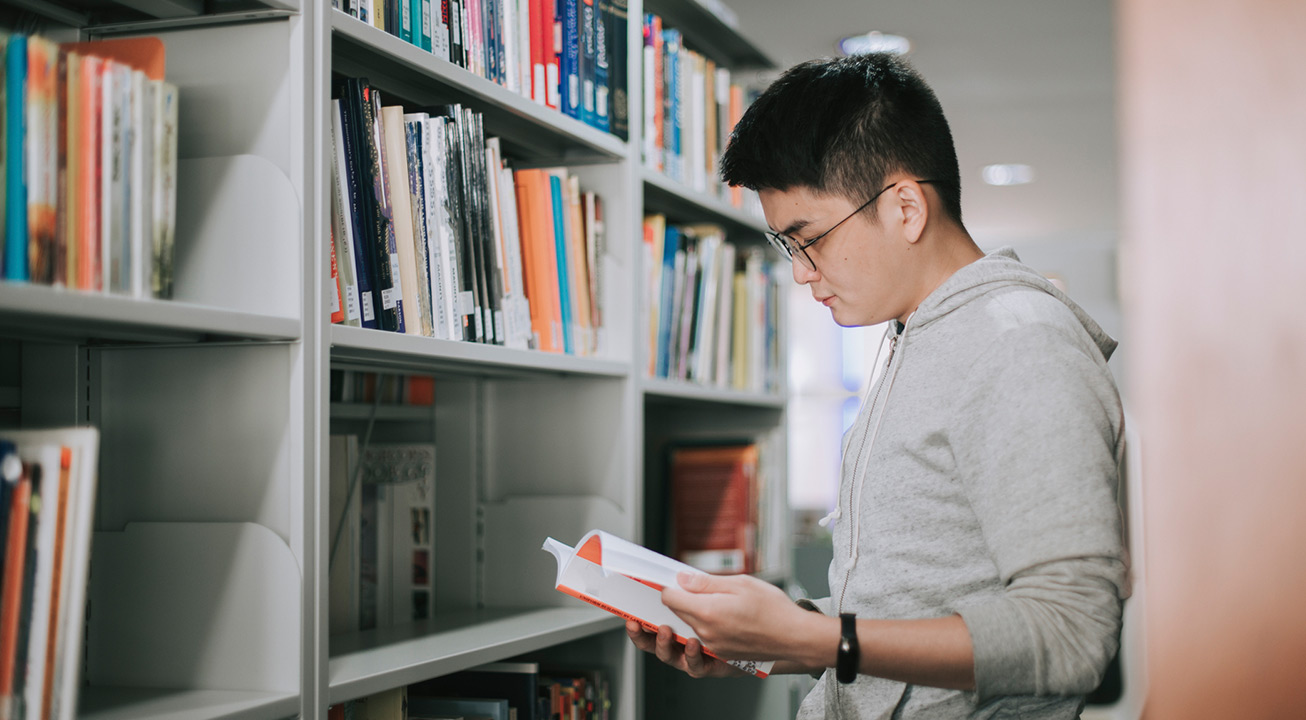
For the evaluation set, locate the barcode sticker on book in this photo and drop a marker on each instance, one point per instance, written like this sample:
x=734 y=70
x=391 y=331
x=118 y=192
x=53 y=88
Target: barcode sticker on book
x=369 y=314
x=388 y=298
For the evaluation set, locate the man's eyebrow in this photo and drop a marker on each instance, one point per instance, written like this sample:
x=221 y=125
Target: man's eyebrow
x=794 y=227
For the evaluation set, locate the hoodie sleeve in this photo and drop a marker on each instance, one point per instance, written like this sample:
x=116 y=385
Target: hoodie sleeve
x=1035 y=443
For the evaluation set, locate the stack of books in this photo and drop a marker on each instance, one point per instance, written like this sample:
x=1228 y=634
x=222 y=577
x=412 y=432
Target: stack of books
x=47 y=508
x=713 y=308
x=89 y=166
x=569 y=55
x=434 y=234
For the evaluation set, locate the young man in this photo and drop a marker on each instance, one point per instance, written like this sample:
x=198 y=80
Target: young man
x=978 y=565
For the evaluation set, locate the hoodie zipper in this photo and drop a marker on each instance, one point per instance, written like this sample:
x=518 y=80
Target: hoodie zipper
x=861 y=449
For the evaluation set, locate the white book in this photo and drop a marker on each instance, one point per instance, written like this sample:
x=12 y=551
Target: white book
x=434 y=273
x=652 y=151
x=343 y=225
x=48 y=550
x=697 y=128
x=165 y=190
x=444 y=225
x=508 y=38
x=725 y=280
x=626 y=580
x=110 y=253
x=138 y=192
x=439 y=32
x=401 y=215
x=526 y=74
x=519 y=307
x=704 y=349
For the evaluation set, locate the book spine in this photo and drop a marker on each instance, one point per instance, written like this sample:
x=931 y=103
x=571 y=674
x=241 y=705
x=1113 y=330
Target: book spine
x=417 y=200
x=356 y=207
x=602 y=64
x=386 y=259
x=440 y=29
x=619 y=68
x=342 y=224
x=552 y=47
x=399 y=199
x=556 y=193
x=15 y=231
x=450 y=255
x=42 y=158
x=425 y=6
x=457 y=48
x=437 y=289
x=588 y=57
x=570 y=59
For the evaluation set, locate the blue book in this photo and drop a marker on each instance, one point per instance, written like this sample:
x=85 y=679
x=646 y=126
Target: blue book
x=426 y=24
x=671 y=71
x=569 y=69
x=587 y=55
x=15 y=247
x=560 y=240
x=666 y=298
x=603 y=21
x=406 y=21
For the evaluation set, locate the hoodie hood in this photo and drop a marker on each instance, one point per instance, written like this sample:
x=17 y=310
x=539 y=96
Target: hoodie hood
x=1001 y=268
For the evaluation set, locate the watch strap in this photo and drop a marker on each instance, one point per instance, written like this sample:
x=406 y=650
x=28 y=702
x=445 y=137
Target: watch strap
x=849 y=656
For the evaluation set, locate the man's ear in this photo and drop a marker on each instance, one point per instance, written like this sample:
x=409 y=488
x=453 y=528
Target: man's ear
x=911 y=208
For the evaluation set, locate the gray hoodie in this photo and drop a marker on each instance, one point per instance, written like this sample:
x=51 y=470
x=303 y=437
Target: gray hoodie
x=980 y=479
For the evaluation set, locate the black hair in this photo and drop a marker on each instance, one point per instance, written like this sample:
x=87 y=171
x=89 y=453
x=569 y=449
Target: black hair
x=841 y=126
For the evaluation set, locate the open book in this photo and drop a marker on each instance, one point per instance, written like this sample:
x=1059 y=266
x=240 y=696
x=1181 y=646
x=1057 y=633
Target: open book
x=627 y=580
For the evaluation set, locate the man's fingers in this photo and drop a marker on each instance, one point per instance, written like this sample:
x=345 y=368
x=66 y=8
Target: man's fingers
x=641 y=639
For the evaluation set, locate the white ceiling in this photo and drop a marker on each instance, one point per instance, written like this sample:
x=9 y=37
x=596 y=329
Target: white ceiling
x=1021 y=81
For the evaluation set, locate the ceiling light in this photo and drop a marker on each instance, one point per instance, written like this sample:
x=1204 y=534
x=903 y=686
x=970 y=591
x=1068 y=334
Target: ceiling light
x=873 y=42
x=1008 y=174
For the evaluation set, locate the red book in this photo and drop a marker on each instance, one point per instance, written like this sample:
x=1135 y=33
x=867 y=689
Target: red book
x=11 y=597
x=713 y=507
x=539 y=93
x=552 y=28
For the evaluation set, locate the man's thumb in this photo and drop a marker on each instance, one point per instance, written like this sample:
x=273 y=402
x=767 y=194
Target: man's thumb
x=695 y=582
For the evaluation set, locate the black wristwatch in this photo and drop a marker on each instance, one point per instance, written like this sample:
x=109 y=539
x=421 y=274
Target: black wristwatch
x=849 y=657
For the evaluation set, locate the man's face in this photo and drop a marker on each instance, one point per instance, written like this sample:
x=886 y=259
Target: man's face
x=861 y=273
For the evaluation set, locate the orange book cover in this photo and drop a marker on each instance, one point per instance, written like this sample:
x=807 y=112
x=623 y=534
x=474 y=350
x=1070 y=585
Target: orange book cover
x=139 y=53
x=525 y=225
x=87 y=213
x=542 y=267
x=713 y=507
x=12 y=594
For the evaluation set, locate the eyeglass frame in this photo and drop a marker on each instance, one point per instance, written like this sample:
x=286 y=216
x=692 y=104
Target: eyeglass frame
x=788 y=247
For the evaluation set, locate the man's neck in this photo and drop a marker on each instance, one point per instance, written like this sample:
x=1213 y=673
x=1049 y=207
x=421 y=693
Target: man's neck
x=945 y=250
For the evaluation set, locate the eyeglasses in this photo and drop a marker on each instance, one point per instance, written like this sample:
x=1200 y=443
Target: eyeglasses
x=791 y=248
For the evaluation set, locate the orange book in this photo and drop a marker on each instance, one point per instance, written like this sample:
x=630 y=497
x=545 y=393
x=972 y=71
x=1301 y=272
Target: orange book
x=713 y=507
x=139 y=53
x=12 y=595
x=87 y=212
x=736 y=114
x=540 y=259
x=525 y=225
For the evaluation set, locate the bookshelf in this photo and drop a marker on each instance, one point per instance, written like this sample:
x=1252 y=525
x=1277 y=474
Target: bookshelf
x=210 y=566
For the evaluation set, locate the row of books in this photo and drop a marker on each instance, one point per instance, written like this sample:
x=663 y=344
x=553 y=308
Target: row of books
x=720 y=505
x=713 y=308
x=569 y=55
x=495 y=691
x=690 y=108
x=89 y=164
x=358 y=386
x=382 y=502
x=434 y=234
x=47 y=505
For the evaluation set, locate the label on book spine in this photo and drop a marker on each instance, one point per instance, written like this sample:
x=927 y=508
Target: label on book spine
x=369 y=312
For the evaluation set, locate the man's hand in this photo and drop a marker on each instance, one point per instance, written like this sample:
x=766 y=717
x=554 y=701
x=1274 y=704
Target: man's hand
x=688 y=658
x=738 y=616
